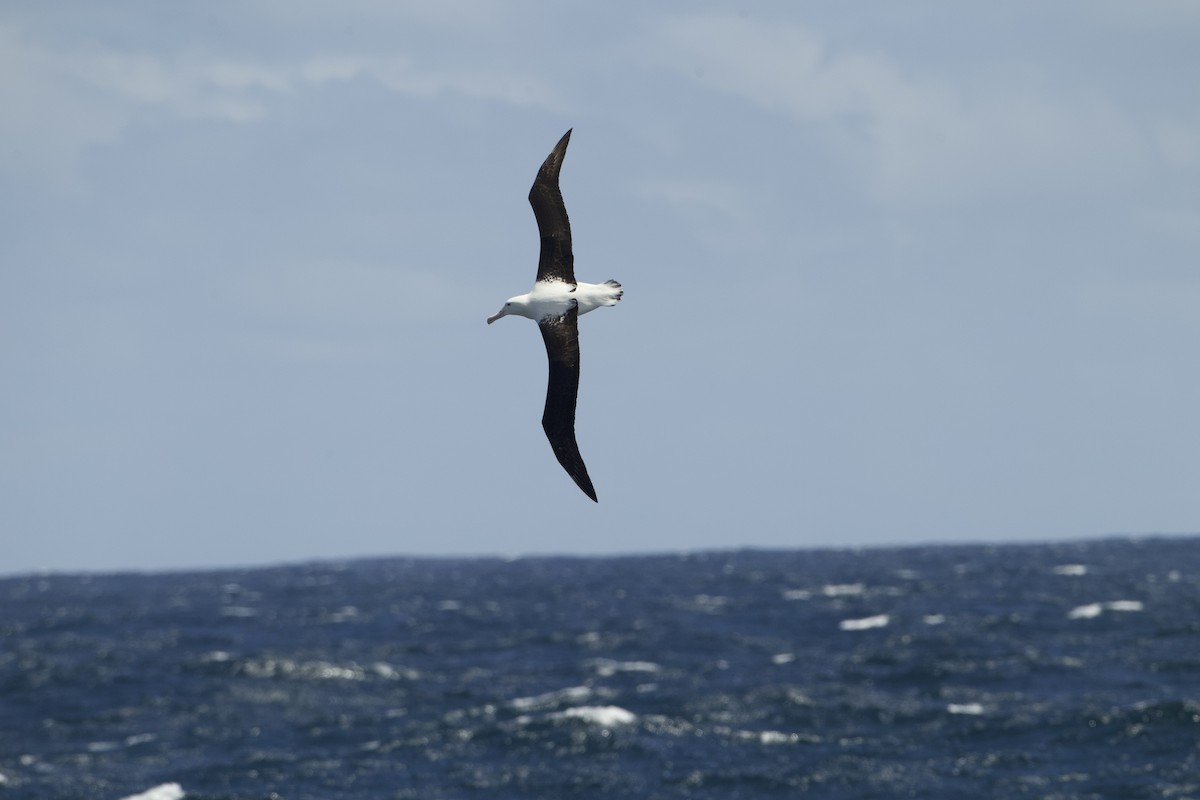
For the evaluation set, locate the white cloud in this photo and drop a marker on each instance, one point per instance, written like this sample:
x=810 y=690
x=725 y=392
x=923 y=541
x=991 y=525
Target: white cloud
x=217 y=89
x=54 y=104
x=920 y=137
x=401 y=75
x=325 y=69
x=456 y=14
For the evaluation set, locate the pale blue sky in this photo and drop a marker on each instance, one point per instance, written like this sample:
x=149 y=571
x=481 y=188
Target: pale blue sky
x=894 y=273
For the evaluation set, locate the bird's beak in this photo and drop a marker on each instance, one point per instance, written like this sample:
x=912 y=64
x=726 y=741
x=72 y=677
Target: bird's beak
x=496 y=316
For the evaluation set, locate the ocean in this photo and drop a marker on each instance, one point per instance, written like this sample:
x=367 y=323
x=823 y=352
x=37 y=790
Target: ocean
x=1067 y=670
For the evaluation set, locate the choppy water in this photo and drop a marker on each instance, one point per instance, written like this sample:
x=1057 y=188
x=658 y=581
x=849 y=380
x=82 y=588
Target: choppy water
x=1047 y=671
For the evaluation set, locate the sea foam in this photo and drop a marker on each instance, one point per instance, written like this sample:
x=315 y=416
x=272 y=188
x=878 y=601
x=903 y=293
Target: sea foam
x=165 y=791
x=1091 y=610
x=604 y=716
x=865 y=623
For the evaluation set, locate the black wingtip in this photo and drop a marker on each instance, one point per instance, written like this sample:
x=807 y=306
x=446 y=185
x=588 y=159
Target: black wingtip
x=560 y=150
x=578 y=473
x=568 y=457
x=548 y=173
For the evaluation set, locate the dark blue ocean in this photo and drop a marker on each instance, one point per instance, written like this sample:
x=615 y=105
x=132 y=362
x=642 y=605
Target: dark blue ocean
x=1042 y=671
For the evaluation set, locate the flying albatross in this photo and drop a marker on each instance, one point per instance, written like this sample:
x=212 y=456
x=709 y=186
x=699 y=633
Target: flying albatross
x=556 y=303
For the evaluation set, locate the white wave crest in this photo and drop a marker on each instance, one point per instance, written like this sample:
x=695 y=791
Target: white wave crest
x=865 y=623
x=572 y=694
x=1095 y=609
x=843 y=589
x=607 y=667
x=604 y=716
x=165 y=791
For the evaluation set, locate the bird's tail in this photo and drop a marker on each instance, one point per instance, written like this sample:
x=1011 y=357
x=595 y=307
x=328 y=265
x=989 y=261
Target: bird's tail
x=615 y=292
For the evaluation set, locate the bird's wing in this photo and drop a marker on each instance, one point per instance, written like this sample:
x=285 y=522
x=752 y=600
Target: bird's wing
x=561 y=335
x=555 y=263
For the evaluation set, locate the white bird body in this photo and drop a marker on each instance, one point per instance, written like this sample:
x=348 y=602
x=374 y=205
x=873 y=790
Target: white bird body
x=555 y=298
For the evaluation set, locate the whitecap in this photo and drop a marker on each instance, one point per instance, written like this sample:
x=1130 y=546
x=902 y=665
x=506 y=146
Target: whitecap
x=1124 y=605
x=783 y=658
x=607 y=667
x=965 y=708
x=1094 y=609
x=573 y=694
x=323 y=670
x=865 y=623
x=604 y=716
x=934 y=619
x=140 y=738
x=1086 y=612
x=313 y=670
x=842 y=589
x=387 y=671
x=165 y=791
x=1071 y=569
x=767 y=737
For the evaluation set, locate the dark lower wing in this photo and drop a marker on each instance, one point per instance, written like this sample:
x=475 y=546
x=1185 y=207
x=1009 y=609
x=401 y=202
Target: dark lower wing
x=555 y=263
x=561 y=335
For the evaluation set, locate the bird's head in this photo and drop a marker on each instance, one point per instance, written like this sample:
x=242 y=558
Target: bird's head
x=518 y=305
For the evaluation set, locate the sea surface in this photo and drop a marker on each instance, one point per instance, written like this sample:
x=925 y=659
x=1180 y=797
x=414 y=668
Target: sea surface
x=1041 y=671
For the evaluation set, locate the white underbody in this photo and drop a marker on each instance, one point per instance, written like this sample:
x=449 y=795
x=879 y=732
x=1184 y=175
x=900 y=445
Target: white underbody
x=555 y=298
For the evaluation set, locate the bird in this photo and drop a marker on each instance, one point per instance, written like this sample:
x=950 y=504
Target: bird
x=556 y=303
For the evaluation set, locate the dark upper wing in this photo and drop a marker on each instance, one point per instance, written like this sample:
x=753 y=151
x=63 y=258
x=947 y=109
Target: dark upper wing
x=556 y=263
x=561 y=335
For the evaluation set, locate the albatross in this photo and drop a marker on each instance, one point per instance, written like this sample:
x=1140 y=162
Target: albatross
x=556 y=303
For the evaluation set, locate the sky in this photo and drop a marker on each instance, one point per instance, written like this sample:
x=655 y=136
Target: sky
x=894 y=274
